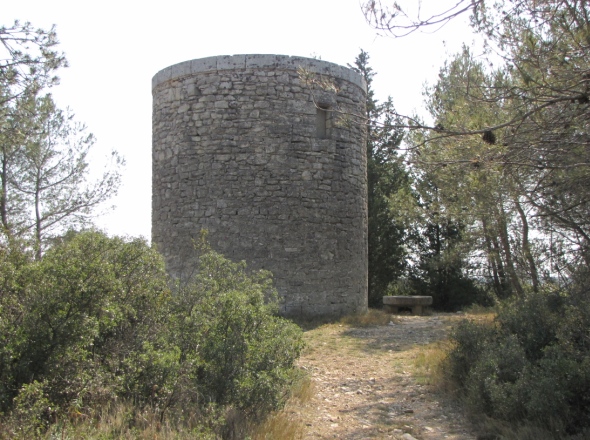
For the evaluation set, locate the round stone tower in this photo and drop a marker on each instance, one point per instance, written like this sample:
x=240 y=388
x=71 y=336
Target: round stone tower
x=265 y=152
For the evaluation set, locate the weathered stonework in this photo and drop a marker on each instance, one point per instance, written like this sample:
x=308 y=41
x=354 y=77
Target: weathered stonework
x=240 y=148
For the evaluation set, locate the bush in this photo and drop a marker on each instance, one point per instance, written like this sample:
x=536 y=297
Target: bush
x=82 y=309
x=32 y=411
x=532 y=364
x=239 y=351
x=95 y=322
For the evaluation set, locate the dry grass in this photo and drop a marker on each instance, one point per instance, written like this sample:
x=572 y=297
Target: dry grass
x=303 y=389
x=481 y=314
x=371 y=318
x=124 y=421
x=280 y=425
x=120 y=421
x=429 y=366
x=286 y=424
x=477 y=309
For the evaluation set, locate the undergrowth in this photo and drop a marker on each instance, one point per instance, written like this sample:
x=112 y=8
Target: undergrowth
x=97 y=342
x=429 y=366
x=285 y=424
x=528 y=370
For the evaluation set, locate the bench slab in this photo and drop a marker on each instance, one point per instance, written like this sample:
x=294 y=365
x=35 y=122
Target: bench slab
x=416 y=303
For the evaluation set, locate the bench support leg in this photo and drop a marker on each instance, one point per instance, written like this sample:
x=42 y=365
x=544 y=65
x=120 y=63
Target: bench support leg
x=390 y=309
x=417 y=310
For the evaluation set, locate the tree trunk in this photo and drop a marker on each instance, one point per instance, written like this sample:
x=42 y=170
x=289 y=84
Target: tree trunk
x=526 y=247
x=3 y=197
x=37 y=220
x=505 y=241
x=492 y=259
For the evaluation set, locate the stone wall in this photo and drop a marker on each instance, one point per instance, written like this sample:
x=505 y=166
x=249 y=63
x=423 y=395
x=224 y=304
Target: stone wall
x=241 y=148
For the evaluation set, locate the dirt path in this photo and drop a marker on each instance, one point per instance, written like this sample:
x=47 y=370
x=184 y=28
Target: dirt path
x=368 y=385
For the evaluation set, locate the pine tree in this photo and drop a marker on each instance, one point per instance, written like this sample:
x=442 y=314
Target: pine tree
x=386 y=176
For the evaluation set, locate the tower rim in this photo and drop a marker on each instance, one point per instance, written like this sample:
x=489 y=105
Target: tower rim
x=257 y=61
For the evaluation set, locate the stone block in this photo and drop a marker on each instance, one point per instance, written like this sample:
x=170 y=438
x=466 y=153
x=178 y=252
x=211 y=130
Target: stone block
x=261 y=61
x=180 y=70
x=230 y=62
x=161 y=77
x=203 y=65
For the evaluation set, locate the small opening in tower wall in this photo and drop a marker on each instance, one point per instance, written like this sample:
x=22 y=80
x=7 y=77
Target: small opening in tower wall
x=321 y=121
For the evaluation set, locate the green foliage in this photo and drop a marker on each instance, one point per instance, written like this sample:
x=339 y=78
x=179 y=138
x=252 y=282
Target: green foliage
x=507 y=145
x=386 y=179
x=440 y=243
x=32 y=411
x=441 y=266
x=50 y=175
x=532 y=364
x=477 y=221
x=94 y=322
x=45 y=185
x=75 y=316
x=406 y=221
x=28 y=60
x=239 y=351
x=386 y=234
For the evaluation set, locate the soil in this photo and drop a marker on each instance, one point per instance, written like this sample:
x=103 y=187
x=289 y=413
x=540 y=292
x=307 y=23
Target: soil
x=368 y=383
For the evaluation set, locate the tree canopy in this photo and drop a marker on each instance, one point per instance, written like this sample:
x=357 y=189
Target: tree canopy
x=520 y=109
x=45 y=184
x=386 y=178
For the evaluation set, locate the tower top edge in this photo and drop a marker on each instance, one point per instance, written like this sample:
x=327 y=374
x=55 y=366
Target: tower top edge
x=257 y=61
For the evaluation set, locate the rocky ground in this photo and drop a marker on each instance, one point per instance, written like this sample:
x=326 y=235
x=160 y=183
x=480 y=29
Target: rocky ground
x=369 y=383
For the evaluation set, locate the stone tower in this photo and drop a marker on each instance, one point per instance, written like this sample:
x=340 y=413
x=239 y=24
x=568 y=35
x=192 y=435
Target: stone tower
x=272 y=167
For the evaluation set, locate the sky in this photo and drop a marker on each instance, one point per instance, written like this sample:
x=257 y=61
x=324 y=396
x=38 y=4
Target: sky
x=114 y=48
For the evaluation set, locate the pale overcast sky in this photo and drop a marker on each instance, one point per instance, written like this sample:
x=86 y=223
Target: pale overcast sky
x=115 y=47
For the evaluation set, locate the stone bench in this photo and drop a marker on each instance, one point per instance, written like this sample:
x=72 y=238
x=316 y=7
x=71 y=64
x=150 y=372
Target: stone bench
x=417 y=304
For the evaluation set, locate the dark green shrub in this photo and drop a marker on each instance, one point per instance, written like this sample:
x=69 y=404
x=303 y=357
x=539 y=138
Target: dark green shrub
x=240 y=353
x=32 y=412
x=534 y=320
x=532 y=364
x=95 y=322
x=82 y=309
x=494 y=385
x=471 y=339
